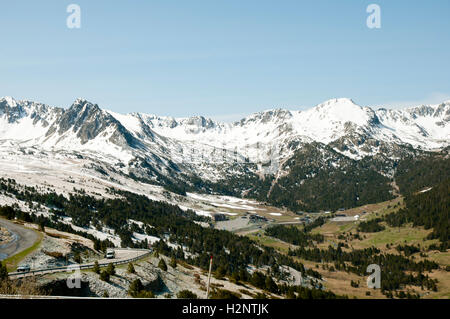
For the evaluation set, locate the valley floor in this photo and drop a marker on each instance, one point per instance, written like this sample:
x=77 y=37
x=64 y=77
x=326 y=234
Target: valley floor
x=339 y=281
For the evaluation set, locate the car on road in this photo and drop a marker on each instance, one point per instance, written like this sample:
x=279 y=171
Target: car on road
x=110 y=254
x=23 y=268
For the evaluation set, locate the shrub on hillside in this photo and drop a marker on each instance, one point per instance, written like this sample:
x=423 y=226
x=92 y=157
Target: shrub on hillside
x=104 y=275
x=186 y=294
x=162 y=264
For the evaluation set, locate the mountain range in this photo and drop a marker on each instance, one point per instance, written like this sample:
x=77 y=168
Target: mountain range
x=288 y=158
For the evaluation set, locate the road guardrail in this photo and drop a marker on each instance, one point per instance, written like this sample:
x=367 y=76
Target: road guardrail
x=83 y=266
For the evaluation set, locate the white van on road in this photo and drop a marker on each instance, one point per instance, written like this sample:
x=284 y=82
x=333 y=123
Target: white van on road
x=110 y=254
x=23 y=268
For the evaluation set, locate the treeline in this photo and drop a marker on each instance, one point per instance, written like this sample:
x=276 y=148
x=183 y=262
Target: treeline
x=300 y=292
x=408 y=250
x=371 y=226
x=315 y=183
x=316 y=223
x=293 y=235
x=266 y=283
x=430 y=209
x=233 y=185
x=397 y=270
x=416 y=173
x=195 y=244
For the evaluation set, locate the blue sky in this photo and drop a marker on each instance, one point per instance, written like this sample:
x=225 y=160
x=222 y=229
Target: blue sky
x=224 y=58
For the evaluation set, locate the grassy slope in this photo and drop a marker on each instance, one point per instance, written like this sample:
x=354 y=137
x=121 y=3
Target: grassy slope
x=338 y=281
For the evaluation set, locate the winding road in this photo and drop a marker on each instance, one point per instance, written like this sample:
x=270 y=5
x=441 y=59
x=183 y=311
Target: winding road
x=23 y=238
x=123 y=256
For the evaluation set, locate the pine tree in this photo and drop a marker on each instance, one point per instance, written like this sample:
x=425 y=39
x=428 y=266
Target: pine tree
x=96 y=267
x=162 y=264
x=3 y=272
x=136 y=286
x=104 y=276
x=220 y=272
x=77 y=258
x=97 y=245
x=111 y=269
x=186 y=294
x=42 y=226
x=173 y=262
x=271 y=285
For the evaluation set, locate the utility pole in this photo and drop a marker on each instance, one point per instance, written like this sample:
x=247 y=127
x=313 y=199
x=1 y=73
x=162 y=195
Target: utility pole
x=209 y=276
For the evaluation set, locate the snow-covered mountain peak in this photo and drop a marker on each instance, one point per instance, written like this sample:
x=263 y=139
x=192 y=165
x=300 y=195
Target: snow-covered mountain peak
x=333 y=114
x=25 y=120
x=338 y=105
x=83 y=105
x=161 y=143
x=81 y=100
x=267 y=116
x=198 y=121
x=9 y=100
x=337 y=102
